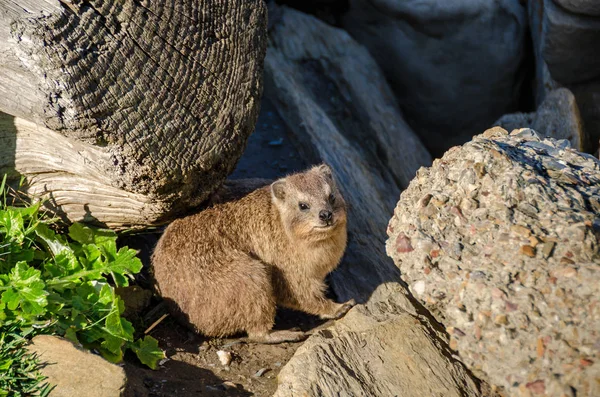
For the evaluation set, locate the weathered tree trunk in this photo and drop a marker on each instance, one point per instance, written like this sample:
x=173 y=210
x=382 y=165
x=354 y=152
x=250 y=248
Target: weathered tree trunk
x=139 y=108
x=340 y=112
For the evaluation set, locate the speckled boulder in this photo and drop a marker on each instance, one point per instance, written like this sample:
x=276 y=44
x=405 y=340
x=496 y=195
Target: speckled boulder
x=499 y=240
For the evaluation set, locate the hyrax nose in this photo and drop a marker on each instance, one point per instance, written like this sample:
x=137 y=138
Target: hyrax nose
x=325 y=215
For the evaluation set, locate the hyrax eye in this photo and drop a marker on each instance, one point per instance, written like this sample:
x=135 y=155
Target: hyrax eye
x=331 y=198
x=303 y=206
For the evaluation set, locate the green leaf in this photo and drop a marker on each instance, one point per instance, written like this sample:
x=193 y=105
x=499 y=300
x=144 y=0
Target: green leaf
x=56 y=243
x=71 y=334
x=148 y=351
x=117 y=326
x=86 y=235
x=11 y=223
x=110 y=356
x=107 y=294
x=27 y=290
x=113 y=344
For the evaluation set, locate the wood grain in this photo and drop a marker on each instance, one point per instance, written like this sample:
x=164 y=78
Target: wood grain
x=169 y=90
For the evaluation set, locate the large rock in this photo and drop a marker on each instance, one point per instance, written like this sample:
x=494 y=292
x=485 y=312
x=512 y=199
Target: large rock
x=499 y=239
x=76 y=372
x=454 y=65
x=585 y=7
x=570 y=44
x=565 y=37
x=383 y=348
x=341 y=78
x=557 y=117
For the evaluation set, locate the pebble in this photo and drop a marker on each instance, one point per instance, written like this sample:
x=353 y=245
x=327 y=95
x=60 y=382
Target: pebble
x=225 y=357
x=260 y=372
x=527 y=250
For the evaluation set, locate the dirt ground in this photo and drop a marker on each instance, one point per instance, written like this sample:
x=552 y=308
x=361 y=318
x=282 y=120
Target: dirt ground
x=192 y=367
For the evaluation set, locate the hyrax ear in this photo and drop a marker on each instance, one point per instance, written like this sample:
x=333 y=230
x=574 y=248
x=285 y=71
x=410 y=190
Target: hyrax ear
x=278 y=189
x=325 y=170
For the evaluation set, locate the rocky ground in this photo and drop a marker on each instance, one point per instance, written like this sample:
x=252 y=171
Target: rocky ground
x=193 y=367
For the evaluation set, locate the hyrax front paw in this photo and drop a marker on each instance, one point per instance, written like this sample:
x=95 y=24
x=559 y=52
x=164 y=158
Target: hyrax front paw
x=340 y=310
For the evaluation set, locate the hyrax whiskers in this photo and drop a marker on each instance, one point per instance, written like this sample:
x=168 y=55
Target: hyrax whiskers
x=225 y=269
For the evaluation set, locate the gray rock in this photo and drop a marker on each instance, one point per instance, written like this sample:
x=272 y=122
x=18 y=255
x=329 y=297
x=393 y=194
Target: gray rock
x=454 y=65
x=330 y=72
x=557 y=117
x=585 y=7
x=565 y=46
x=380 y=349
x=515 y=121
x=76 y=372
x=588 y=101
x=570 y=44
x=522 y=300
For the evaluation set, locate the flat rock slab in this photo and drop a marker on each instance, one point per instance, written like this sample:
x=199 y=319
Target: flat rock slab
x=383 y=348
x=499 y=240
x=76 y=372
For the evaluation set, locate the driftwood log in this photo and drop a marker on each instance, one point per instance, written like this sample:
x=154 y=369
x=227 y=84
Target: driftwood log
x=128 y=112
x=335 y=102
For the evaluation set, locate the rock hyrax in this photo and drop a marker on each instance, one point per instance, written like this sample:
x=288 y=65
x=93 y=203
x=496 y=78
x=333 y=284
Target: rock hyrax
x=225 y=269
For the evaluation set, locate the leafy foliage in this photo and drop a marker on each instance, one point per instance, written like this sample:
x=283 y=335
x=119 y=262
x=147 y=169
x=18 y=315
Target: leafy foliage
x=60 y=283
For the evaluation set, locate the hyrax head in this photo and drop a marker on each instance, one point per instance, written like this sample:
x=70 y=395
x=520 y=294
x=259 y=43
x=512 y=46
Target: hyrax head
x=310 y=203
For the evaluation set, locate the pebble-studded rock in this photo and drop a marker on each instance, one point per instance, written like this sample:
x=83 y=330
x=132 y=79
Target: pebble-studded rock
x=500 y=240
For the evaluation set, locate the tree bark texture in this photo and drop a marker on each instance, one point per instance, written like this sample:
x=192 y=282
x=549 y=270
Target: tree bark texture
x=166 y=95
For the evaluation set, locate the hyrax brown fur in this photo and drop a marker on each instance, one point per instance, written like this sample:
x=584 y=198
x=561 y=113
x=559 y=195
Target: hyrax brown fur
x=226 y=269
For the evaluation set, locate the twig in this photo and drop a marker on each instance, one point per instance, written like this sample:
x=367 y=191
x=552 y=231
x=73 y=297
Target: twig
x=154 y=324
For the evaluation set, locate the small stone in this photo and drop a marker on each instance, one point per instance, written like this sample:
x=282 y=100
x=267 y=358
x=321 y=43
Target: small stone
x=527 y=250
x=453 y=344
x=533 y=241
x=566 y=261
x=540 y=348
x=501 y=319
x=547 y=250
x=419 y=287
x=424 y=201
x=521 y=230
x=224 y=357
x=260 y=372
x=479 y=169
x=229 y=385
x=403 y=244
x=536 y=387
x=276 y=142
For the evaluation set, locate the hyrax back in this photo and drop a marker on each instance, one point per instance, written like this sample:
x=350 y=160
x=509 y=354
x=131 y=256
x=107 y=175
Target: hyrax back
x=225 y=269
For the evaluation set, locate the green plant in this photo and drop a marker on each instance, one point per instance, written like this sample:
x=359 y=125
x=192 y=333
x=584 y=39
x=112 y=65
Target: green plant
x=60 y=283
x=19 y=375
